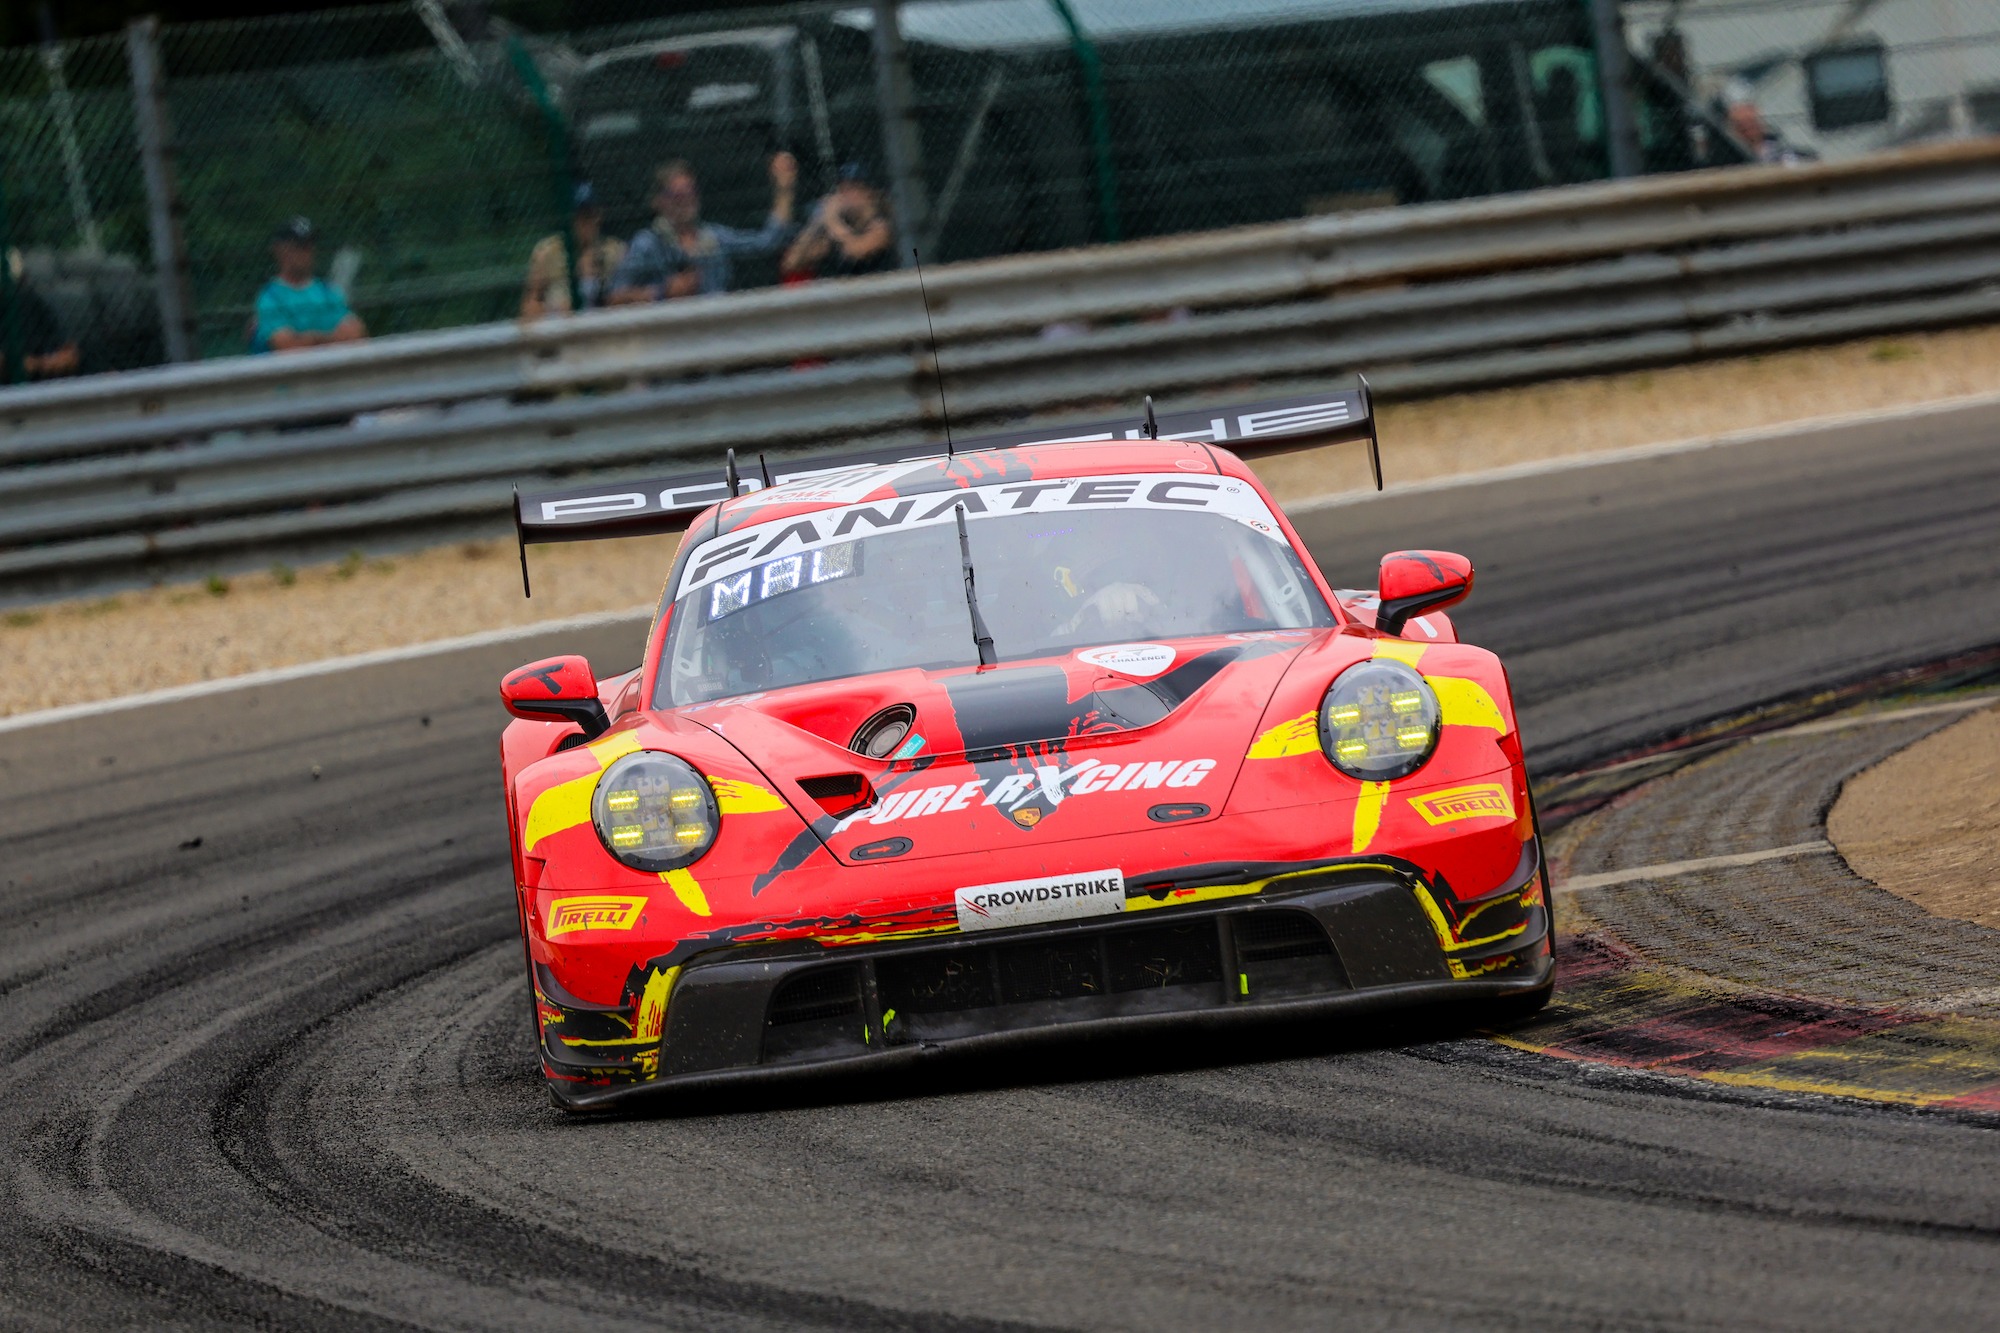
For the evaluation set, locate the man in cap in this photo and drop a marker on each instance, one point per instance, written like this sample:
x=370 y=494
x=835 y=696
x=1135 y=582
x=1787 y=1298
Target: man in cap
x=296 y=309
x=680 y=255
x=597 y=258
x=848 y=232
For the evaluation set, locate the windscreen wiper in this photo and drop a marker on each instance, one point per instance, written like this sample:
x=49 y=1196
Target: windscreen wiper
x=981 y=636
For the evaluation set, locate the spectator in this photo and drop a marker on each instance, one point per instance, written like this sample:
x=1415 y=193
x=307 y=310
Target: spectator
x=296 y=309
x=680 y=255
x=46 y=352
x=848 y=232
x=1746 y=122
x=597 y=258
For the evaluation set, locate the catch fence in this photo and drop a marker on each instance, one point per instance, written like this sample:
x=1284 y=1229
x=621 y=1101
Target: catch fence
x=433 y=145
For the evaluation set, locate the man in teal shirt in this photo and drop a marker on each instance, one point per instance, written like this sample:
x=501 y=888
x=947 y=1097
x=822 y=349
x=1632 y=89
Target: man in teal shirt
x=296 y=309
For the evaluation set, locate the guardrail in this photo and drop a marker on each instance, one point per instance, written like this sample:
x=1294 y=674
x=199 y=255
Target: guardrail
x=156 y=472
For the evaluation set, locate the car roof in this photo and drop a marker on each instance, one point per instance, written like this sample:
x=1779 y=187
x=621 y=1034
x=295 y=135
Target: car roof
x=1032 y=462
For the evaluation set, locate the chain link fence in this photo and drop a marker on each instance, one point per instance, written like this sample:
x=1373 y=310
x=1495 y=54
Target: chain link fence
x=434 y=147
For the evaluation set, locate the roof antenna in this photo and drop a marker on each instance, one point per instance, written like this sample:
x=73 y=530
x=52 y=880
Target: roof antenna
x=764 y=468
x=1152 y=423
x=942 y=408
x=729 y=474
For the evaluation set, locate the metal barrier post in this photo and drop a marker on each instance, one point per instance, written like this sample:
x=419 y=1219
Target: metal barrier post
x=13 y=368
x=901 y=145
x=163 y=209
x=561 y=174
x=1614 y=86
x=1100 y=121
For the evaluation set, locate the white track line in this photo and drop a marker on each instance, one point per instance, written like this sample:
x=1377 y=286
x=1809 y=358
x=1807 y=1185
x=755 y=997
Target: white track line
x=325 y=667
x=1671 y=868
x=1825 y=724
x=1571 y=462
x=1868 y=719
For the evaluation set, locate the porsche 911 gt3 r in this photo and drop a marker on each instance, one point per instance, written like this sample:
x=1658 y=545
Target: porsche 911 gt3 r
x=951 y=749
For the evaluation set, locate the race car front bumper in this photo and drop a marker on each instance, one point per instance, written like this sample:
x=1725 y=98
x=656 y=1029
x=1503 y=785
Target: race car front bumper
x=1333 y=939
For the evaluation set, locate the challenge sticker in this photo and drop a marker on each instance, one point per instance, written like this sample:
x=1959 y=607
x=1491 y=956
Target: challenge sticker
x=1027 y=902
x=1130 y=659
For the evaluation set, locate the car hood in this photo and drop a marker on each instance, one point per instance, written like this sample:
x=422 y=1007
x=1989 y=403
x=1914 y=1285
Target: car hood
x=1104 y=739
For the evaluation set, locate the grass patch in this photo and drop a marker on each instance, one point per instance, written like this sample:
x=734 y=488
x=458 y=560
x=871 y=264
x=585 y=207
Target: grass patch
x=23 y=619
x=284 y=575
x=216 y=585
x=1892 y=351
x=350 y=565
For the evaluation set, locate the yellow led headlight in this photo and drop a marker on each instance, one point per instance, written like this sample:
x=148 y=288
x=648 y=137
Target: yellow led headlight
x=1379 y=720
x=655 y=812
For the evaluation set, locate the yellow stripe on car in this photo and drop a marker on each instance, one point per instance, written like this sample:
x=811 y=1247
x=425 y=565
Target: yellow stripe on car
x=1300 y=735
x=688 y=889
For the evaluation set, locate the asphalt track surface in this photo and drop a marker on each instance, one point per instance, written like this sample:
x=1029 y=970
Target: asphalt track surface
x=266 y=1058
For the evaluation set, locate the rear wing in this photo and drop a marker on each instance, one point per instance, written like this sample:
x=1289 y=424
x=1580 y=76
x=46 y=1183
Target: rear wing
x=646 y=506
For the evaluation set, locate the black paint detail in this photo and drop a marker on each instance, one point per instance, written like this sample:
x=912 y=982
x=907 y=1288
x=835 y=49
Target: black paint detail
x=1133 y=706
x=795 y=855
x=881 y=851
x=546 y=675
x=1174 y=814
x=813 y=837
x=1176 y=687
x=996 y=709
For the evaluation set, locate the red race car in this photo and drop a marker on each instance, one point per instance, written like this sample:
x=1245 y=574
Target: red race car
x=938 y=749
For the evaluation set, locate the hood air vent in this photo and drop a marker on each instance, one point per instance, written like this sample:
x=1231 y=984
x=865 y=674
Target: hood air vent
x=839 y=793
x=879 y=736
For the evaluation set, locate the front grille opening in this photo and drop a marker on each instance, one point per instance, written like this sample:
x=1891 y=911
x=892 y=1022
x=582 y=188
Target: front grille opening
x=937 y=983
x=1284 y=953
x=1266 y=937
x=813 y=997
x=943 y=981
x=1164 y=956
x=1057 y=970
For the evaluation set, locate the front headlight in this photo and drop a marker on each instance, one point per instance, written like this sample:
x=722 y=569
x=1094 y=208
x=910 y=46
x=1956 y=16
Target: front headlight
x=1379 y=721
x=654 y=812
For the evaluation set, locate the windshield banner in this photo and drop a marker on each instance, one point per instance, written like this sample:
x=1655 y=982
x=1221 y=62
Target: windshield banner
x=733 y=553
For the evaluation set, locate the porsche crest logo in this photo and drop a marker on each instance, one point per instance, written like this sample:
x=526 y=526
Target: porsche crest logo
x=1028 y=816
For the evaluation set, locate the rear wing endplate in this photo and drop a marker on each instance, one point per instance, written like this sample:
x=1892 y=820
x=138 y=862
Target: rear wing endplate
x=646 y=506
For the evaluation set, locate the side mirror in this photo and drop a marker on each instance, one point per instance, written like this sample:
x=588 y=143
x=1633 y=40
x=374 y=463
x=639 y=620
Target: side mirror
x=556 y=689
x=1413 y=582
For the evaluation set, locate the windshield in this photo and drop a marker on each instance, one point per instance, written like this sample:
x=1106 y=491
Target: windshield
x=879 y=587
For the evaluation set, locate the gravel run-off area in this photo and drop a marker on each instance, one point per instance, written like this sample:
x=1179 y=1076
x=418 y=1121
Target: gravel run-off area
x=179 y=634
x=1925 y=822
